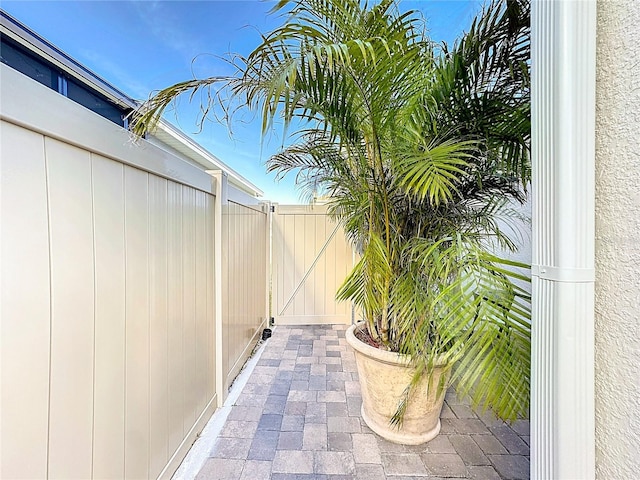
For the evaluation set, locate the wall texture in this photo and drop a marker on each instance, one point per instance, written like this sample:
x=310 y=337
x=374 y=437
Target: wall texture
x=617 y=327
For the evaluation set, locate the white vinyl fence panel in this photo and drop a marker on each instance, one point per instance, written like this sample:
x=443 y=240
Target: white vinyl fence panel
x=311 y=259
x=107 y=295
x=244 y=274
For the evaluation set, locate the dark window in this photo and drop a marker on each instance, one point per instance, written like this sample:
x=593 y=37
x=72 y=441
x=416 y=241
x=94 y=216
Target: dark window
x=23 y=61
x=29 y=65
x=94 y=102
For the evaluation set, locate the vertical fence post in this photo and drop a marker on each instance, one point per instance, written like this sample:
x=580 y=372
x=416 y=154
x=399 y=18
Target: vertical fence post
x=275 y=246
x=221 y=183
x=268 y=262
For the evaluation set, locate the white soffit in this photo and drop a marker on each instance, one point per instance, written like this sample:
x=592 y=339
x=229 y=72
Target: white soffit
x=174 y=138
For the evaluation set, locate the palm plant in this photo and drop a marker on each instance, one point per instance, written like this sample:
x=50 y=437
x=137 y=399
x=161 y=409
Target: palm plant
x=420 y=150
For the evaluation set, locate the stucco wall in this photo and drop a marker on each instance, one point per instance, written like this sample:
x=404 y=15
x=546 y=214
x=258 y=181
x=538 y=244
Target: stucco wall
x=618 y=240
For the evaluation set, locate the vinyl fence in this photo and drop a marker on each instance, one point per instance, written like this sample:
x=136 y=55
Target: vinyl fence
x=245 y=260
x=112 y=305
x=134 y=286
x=311 y=259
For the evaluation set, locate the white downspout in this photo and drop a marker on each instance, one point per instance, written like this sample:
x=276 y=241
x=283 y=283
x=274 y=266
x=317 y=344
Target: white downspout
x=563 y=191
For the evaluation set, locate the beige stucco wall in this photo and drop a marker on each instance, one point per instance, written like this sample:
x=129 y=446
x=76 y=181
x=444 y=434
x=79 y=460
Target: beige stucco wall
x=617 y=304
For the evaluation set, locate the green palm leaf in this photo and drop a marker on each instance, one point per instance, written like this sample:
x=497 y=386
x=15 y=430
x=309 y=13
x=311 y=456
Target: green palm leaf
x=421 y=151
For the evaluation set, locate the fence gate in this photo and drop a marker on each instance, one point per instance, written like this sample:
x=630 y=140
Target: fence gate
x=311 y=258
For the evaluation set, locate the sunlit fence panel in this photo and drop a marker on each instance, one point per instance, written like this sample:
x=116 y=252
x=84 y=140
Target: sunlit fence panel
x=107 y=309
x=311 y=259
x=244 y=276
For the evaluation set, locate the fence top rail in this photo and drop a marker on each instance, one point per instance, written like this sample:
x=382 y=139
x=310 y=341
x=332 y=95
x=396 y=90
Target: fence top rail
x=33 y=106
x=316 y=209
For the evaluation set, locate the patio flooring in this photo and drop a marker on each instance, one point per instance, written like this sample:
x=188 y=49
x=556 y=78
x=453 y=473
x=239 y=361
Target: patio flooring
x=298 y=417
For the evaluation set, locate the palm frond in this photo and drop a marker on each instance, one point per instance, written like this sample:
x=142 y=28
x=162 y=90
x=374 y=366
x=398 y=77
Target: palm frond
x=421 y=153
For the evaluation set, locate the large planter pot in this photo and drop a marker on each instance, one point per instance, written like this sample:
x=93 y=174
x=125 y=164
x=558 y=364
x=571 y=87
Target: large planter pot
x=384 y=377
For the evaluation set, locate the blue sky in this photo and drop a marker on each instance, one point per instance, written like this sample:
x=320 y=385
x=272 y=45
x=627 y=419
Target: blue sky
x=141 y=46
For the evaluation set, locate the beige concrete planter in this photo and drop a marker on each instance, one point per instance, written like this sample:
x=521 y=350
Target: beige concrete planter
x=383 y=379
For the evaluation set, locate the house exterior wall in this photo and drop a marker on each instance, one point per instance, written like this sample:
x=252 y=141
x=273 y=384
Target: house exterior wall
x=617 y=292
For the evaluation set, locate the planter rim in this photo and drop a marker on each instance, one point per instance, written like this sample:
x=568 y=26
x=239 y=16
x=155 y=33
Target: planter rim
x=392 y=358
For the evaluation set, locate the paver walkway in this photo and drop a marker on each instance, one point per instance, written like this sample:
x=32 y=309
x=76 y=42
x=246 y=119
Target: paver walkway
x=298 y=417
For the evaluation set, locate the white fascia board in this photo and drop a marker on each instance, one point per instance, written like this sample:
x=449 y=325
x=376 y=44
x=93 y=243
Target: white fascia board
x=173 y=137
x=33 y=42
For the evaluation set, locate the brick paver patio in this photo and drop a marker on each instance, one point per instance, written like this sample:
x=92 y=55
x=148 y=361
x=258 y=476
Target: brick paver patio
x=298 y=417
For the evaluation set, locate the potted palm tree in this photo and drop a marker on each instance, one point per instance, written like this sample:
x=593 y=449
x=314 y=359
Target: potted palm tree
x=421 y=150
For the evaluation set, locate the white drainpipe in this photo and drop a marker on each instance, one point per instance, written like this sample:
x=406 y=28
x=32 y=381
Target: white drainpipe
x=563 y=131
